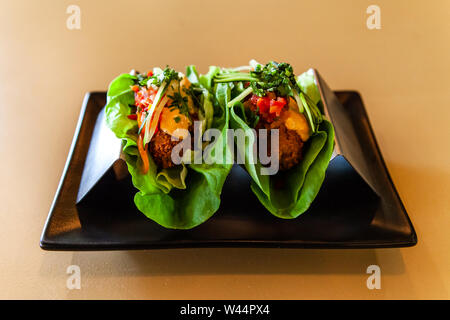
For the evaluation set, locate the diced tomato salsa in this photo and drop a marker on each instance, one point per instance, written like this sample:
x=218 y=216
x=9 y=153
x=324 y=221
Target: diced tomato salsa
x=269 y=107
x=144 y=97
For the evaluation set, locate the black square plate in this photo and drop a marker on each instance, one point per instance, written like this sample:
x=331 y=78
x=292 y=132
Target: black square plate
x=351 y=211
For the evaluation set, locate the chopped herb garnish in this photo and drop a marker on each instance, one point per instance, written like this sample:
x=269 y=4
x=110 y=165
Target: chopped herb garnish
x=168 y=75
x=142 y=79
x=180 y=102
x=273 y=77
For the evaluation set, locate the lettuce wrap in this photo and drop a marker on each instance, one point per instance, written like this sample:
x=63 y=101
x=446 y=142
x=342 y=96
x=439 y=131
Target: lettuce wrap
x=147 y=112
x=271 y=96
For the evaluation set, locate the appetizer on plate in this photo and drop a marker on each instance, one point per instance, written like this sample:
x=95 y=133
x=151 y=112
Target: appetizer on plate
x=272 y=97
x=156 y=114
x=165 y=119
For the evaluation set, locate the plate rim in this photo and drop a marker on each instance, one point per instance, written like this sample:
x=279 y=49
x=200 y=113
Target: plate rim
x=51 y=245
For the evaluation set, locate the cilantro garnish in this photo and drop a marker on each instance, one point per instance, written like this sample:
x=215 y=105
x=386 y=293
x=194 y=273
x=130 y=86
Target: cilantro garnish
x=167 y=75
x=273 y=77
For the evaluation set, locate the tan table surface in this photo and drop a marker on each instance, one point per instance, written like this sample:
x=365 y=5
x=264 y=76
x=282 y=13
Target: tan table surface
x=401 y=70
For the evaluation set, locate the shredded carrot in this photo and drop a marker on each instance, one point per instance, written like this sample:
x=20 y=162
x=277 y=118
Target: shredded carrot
x=144 y=156
x=139 y=121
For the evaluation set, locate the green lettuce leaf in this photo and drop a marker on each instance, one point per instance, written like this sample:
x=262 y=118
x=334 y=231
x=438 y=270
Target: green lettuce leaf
x=181 y=197
x=288 y=194
x=119 y=99
x=299 y=185
x=206 y=80
x=307 y=84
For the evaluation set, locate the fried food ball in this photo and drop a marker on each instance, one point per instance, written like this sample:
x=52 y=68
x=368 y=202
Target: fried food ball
x=290 y=147
x=290 y=143
x=293 y=130
x=161 y=147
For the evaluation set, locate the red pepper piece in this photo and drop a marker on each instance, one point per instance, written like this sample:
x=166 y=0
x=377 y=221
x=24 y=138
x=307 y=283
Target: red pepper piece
x=277 y=105
x=263 y=104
